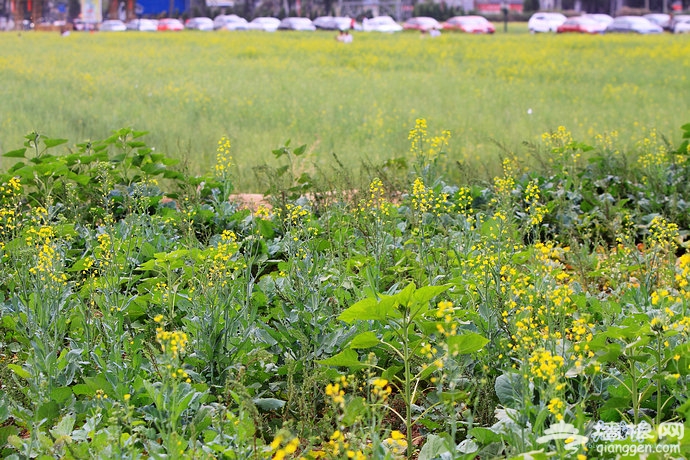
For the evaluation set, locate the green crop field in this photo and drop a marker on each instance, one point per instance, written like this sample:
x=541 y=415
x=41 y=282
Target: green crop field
x=532 y=307
x=358 y=100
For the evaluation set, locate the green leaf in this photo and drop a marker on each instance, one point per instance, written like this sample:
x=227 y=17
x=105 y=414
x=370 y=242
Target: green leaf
x=300 y=150
x=54 y=142
x=365 y=340
x=469 y=342
x=485 y=435
x=19 y=153
x=354 y=410
x=427 y=293
x=371 y=309
x=509 y=390
x=64 y=426
x=83 y=389
x=269 y=403
x=346 y=358
x=61 y=394
x=435 y=447
x=19 y=371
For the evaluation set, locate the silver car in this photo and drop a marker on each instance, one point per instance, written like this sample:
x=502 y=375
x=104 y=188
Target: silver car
x=295 y=23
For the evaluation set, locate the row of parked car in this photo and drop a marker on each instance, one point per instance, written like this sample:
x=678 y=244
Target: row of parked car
x=469 y=24
x=603 y=23
x=539 y=22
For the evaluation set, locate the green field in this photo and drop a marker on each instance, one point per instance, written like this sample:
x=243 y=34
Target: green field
x=359 y=100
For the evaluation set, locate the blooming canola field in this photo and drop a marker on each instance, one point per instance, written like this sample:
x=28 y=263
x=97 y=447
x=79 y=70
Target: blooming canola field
x=356 y=100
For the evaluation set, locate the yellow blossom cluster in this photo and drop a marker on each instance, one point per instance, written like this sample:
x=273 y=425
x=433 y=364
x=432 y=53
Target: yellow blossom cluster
x=463 y=201
x=376 y=204
x=417 y=136
x=545 y=366
x=380 y=389
x=534 y=209
x=396 y=443
x=449 y=326
x=653 y=151
x=556 y=406
x=504 y=186
x=663 y=234
x=294 y=213
x=223 y=158
x=336 y=391
x=425 y=199
x=263 y=212
x=172 y=342
x=9 y=205
x=607 y=142
x=289 y=448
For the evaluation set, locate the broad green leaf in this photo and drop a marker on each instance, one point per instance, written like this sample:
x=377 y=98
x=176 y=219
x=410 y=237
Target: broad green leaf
x=269 y=403
x=64 y=426
x=427 y=293
x=54 y=142
x=61 y=394
x=300 y=150
x=469 y=342
x=354 y=409
x=509 y=390
x=435 y=447
x=346 y=358
x=19 y=371
x=365 y=340
x=19 y=153
x=371 y=309
x=485 y=435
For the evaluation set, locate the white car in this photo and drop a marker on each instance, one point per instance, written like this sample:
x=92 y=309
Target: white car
x=229 y=22
x=545 y=22
x=112 y=25
x=333 y=23
x=682 y=25
x=381 y=24
x=600 y=17
x=200 y=23
x=143 y=25
x=267 y=24
x=296 y=23
x=660 y=19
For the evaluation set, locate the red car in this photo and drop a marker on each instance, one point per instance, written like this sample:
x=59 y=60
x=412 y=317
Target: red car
x=470 y=25
x=421 y=23
x=170 y=24
x=582 y=25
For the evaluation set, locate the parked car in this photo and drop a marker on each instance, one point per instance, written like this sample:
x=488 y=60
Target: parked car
x=6 y=23
x=545 y=22
x=583 y=25
x=422 y=23
x=333 y=23
x=633 y=24
x=469 y=24
x=170 y=24
x=295 y=23
x=199 y=23
x=676 y=19
x=112 y=25
x=682 y=25
x=267 y=24
x=661 y=19
x=600 y=17
x=143 y=25
x=381 y=24
x=229 y=22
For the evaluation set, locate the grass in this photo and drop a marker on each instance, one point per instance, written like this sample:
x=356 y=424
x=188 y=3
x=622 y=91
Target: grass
x=190 y=89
